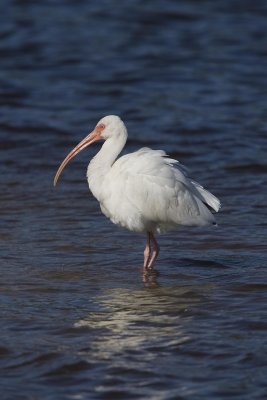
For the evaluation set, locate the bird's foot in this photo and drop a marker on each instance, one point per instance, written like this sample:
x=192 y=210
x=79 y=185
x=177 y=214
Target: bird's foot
x=150 y=276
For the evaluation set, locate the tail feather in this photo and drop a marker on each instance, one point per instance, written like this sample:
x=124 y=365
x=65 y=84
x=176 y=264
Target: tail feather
x=207 y=197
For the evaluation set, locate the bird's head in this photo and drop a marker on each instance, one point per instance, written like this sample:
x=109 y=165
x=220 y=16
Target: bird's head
x=108 y=127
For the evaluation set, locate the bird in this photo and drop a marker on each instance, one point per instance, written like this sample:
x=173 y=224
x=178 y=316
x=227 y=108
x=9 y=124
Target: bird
x=145 y=191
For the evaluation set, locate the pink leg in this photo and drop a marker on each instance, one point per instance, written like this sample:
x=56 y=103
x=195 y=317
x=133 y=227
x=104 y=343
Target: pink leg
x=147 y=251
x=155 y=251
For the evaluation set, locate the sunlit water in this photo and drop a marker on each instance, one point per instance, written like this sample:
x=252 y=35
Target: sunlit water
x=78 y=318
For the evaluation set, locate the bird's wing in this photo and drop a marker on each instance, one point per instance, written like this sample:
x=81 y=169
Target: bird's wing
x=158 y=187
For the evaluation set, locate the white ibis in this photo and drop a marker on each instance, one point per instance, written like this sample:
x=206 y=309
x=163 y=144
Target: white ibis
x=145 y=191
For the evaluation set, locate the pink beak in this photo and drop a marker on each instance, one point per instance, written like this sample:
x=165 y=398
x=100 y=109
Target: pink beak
x=89 y=139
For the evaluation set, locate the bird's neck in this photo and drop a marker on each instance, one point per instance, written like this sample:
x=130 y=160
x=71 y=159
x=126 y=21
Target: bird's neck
x=101 y=164
x=109 y=151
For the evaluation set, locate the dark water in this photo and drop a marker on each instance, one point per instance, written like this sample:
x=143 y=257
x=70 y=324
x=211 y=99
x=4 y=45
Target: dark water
x=78 y=320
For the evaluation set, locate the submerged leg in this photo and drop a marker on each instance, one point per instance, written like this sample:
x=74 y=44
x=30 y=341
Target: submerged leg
x=155 y=251
x=147 y=251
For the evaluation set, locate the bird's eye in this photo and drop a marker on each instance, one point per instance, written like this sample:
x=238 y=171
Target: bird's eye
x=102 y=126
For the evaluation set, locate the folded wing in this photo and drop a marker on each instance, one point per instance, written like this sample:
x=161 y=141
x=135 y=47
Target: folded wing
x=146 y=190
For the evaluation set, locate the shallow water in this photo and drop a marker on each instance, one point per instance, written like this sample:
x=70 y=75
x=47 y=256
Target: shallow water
x=78 y=318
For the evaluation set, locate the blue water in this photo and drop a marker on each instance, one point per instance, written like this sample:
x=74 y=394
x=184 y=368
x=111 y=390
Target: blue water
x=78 y=318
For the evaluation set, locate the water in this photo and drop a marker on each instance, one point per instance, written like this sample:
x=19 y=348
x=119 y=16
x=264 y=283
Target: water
x=78 y=319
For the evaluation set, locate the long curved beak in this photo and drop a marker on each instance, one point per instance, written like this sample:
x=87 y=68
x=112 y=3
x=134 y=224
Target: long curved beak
x=89 y=139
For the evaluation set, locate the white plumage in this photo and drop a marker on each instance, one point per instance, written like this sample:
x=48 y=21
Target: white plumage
x=145 y=191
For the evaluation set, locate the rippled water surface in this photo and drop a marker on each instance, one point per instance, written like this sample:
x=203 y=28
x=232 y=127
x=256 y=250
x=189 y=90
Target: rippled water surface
x=78 y=319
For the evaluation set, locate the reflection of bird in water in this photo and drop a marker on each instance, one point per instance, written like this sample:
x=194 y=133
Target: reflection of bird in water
x=127 y=318
x=144 y=191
